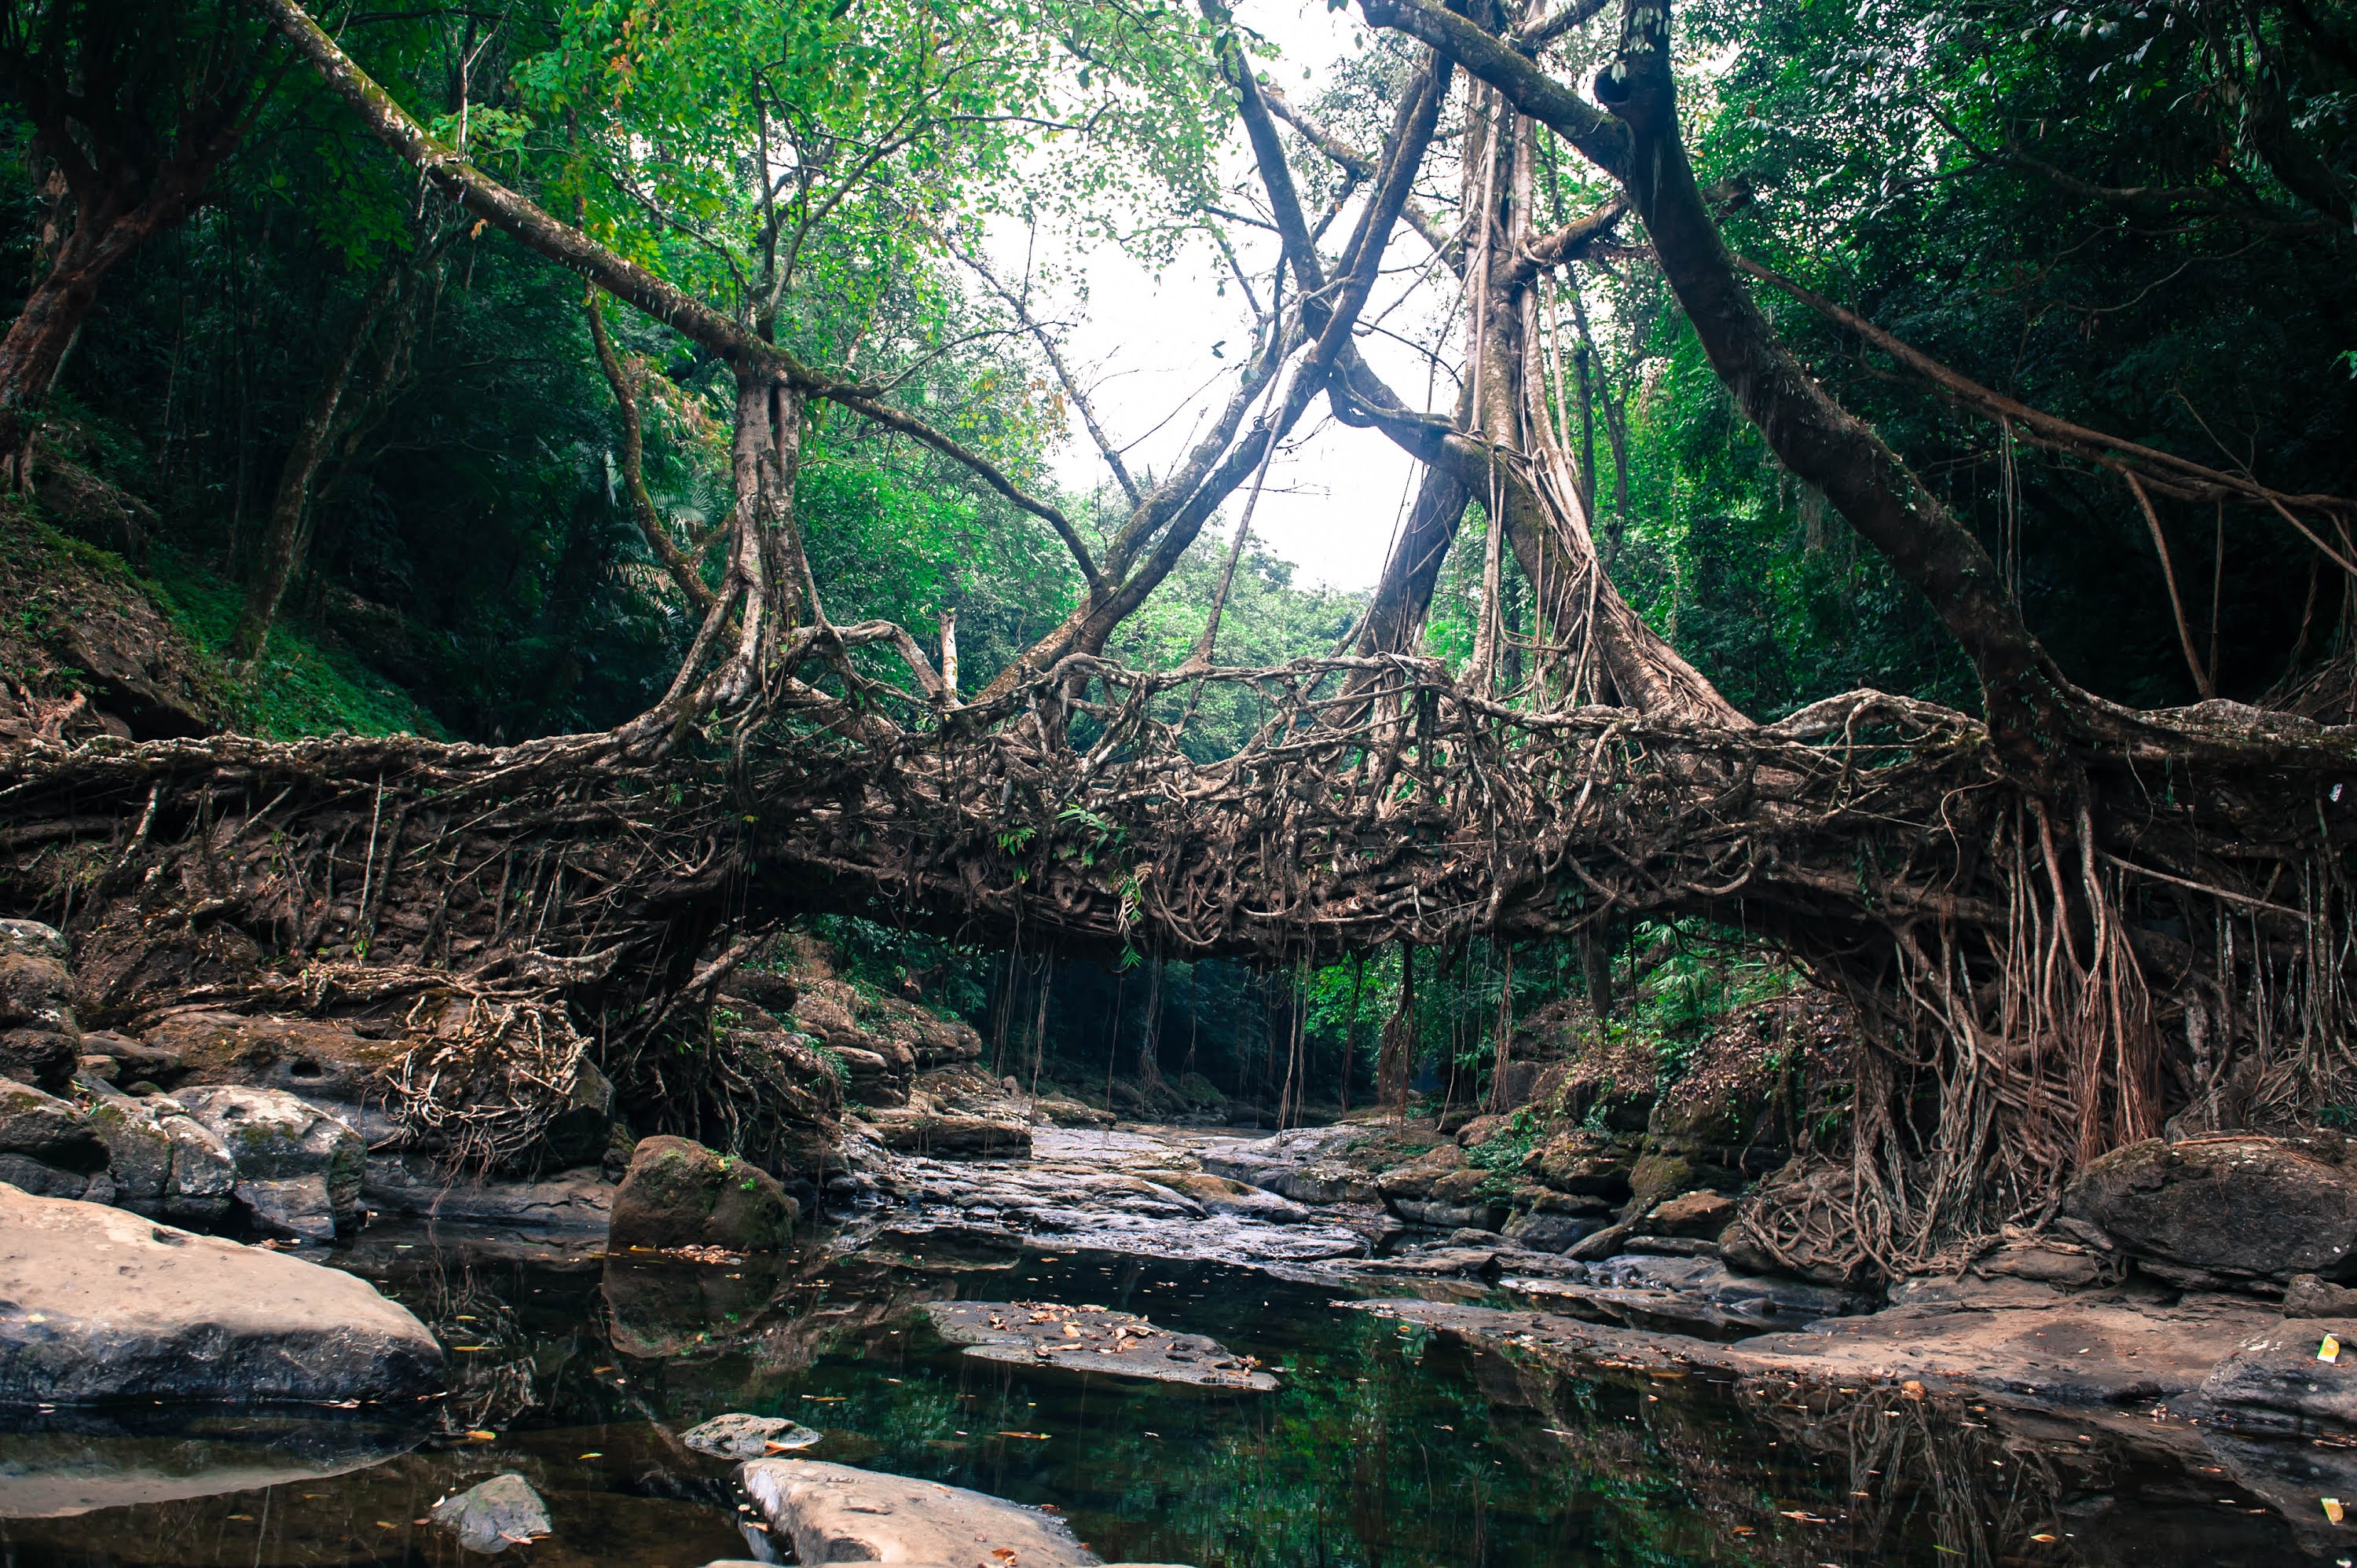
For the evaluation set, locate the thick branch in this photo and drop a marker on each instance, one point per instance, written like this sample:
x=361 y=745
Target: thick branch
x=634 y=477
x=2179 y=476
x=1070 y=382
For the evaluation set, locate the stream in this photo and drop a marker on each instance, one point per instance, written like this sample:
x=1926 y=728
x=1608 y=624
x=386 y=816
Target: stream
x=1383 y=1445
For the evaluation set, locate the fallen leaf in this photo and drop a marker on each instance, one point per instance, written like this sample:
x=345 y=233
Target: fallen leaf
x=482 y=1437
x=2045 y=1536
x=2332 y=1509
x=2329 y=1350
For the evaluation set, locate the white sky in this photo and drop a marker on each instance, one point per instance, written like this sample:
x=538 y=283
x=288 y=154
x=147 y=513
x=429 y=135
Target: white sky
x=1144 y=345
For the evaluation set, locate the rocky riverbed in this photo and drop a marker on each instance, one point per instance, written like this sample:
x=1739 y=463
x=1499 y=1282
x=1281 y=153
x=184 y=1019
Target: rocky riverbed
x=222 y=1280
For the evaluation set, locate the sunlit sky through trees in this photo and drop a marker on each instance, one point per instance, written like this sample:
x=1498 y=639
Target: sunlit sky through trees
x=1333 y=494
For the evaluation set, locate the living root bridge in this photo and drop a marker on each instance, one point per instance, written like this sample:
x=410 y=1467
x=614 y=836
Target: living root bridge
x=2036 y=982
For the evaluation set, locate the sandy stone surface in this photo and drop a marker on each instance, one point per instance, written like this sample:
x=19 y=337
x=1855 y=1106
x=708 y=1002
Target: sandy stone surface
x=836 y=1513
x=100 y=1303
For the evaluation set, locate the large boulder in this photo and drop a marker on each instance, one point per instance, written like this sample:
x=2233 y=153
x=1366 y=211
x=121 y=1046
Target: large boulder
x=1546 y=1230
x=1701 y=1215
x=2242 y=1206
x=1579 y=1161
x=1440 y=1189
x=43 y=1058
x=103 y=1305
x=298 y=1169
x=677 y=1192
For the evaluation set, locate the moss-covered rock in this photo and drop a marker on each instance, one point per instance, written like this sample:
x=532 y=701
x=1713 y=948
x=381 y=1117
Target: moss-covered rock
x=298 y=1168
x=677 y=1192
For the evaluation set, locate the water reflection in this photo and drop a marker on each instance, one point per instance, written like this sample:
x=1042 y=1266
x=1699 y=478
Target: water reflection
x=1382 y=1447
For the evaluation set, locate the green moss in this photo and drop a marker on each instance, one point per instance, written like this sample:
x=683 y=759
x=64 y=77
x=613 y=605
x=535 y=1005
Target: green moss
x=295 y=688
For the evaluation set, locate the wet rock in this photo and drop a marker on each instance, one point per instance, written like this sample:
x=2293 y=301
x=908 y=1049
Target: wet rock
x=299 y=1170
x=2273 y=1383
x=498 y=1513
x=677 y=1192
x=1704 y=1215
x=1544 y=1232
x=667 y=1309
x=1090 y=1339
x=741 y=1437
x=103 y=1305
x=77 y=1461
x=1437 y=1262
x=1604 y=1243
x=1682 y=1294
x=2235 y=1206
x=1069 y=1192
x=834 y=1513
x=1222 y=1195
x=45 y=1059
x=45 y=1128
x=316 y=1059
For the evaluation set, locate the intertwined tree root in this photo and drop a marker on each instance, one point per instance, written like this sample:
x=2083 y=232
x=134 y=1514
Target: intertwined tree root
x=2160 y=927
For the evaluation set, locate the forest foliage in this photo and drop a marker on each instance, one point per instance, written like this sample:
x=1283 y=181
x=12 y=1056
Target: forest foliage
x=2135 y=214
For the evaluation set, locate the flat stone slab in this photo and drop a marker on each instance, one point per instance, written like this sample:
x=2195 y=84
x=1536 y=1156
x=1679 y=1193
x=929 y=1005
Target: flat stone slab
x=1091 y=1340
x=2076 y=1354
x=98 y=1304
x=836 y=1513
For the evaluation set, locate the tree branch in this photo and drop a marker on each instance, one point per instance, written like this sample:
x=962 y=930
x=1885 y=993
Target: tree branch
x=520 y=217
x=1071 y=384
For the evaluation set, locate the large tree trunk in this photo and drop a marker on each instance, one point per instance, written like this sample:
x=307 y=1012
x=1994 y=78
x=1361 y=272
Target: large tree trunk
x=108 y=227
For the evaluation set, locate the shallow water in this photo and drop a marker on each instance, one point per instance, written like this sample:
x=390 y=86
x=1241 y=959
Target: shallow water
x=1382 y=1447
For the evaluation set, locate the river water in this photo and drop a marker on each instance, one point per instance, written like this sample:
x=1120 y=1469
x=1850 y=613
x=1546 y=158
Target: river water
x=1381 y=1446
